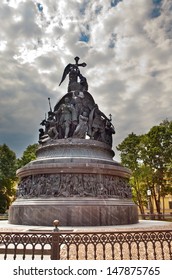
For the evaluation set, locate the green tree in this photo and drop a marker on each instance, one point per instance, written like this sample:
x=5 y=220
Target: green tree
x=156 y=153
x=149 y=158
x=130 y=157
x=28 y=155
x=142 y=178
x=7 y=176
x=130 y=151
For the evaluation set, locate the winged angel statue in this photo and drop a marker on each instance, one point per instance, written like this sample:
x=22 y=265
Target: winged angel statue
x=74 y=73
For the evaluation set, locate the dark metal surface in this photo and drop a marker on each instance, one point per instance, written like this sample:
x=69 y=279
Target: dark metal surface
x=118 y=245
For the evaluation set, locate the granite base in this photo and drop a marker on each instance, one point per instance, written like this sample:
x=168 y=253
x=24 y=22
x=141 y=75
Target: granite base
x=73 y=212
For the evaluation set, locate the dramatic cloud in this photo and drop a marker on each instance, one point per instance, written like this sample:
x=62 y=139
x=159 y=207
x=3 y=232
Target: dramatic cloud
x=125 y=43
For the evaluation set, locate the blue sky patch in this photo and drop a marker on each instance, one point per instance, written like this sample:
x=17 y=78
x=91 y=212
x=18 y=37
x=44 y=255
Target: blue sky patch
x=157 y=1
x=115 y=2
x=40 y=7
x=84 y=37
x=156 y=12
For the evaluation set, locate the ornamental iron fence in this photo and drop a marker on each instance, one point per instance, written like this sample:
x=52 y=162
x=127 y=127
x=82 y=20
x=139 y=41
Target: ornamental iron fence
x=61 y=245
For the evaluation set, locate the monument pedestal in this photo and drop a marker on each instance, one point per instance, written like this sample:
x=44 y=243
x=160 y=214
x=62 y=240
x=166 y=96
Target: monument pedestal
x=74 y=212
x=76 y=182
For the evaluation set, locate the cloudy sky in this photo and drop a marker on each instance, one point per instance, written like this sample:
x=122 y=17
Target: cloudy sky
x=127 y=45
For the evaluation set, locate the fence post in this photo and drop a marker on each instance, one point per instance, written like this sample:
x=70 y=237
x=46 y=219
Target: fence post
x=55 y=247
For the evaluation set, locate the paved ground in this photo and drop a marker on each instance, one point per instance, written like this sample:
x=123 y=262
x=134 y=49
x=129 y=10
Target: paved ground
x=5 y=226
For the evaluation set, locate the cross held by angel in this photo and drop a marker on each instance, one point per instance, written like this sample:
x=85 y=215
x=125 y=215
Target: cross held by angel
x=74 y=74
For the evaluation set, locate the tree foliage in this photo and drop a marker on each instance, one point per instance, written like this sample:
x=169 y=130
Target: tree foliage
x=149 y=158
x=28 y=155
x=8 y=167
x=7 y=176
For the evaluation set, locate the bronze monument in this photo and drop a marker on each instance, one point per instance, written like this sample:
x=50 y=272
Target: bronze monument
x=74 y=178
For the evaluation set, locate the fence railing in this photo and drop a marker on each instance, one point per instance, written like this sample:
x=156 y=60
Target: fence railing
x=118 y=245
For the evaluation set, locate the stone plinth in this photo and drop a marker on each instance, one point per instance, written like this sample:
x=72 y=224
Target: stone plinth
x=74 y=212
x=77 y=182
